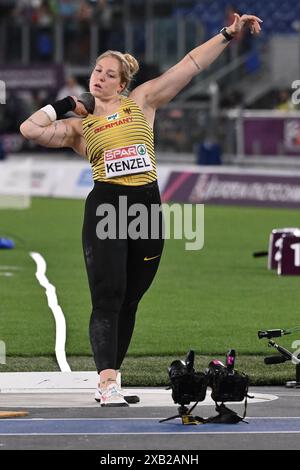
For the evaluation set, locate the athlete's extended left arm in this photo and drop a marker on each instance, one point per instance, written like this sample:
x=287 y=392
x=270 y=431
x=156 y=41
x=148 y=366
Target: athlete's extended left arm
x=163 y=89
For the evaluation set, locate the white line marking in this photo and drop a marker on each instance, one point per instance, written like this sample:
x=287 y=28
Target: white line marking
x=60 y=322
x=198 y=434
x=177 y=420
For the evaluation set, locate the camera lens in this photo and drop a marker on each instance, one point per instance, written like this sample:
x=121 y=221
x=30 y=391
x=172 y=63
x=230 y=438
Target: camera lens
x=262 y=334
x=177 y=369
x=215 y=364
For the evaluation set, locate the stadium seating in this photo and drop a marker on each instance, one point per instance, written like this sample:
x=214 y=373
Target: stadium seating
x=277 y=15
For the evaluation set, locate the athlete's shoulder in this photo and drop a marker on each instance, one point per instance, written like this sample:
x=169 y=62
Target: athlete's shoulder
x=138 y=97
x=76 y=124
x=128 y=101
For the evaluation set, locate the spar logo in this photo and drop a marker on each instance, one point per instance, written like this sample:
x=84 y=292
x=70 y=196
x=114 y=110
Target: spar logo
x=141 y=149
x=124 y=152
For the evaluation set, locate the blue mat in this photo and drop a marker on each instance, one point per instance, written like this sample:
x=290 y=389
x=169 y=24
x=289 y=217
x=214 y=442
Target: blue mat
x=142 y=426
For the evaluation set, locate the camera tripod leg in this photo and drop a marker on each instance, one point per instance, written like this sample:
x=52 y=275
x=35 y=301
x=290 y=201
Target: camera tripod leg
x=168 y=419
x=182 y=412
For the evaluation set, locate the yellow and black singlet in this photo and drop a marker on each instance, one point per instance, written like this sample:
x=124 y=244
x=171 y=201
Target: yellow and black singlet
x=120 y=146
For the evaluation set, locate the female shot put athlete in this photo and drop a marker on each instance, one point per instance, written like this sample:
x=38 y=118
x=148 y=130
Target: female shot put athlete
x=117 y=138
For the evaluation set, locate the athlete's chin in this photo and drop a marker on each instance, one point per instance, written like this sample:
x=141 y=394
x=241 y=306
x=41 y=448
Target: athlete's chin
x=100 y=93
x=97 y=91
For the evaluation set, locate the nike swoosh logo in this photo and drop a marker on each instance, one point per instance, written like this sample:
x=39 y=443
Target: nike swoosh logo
x=149 y=259
x=90 y=124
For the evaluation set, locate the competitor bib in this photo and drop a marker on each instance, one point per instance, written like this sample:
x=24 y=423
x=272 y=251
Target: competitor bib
x=127 y=161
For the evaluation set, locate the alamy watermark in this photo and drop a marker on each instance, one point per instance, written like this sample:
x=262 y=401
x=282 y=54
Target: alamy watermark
x=2 y=92
x=2 y=352
x=138 y=221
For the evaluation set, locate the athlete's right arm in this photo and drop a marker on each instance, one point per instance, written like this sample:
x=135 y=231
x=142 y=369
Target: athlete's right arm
x=40 y=128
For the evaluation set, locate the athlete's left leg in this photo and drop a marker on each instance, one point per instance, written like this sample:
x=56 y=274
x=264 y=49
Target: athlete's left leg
x=143 y=261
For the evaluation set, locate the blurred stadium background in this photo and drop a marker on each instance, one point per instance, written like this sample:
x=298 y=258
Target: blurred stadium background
x=232 y=140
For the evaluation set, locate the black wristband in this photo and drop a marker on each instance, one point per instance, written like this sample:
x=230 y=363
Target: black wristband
x=64 y=106
x=226 y=35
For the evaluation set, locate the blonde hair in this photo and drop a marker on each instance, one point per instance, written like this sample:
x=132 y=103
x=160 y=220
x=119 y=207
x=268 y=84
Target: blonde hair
x=129 y=65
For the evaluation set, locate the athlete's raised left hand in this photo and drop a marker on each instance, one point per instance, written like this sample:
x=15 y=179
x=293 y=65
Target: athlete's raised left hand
x=252 y=21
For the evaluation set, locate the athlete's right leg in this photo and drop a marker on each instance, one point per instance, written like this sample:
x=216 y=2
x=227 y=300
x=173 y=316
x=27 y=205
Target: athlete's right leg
x=106 y=268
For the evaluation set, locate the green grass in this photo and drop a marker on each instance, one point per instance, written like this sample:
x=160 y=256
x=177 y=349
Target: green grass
x=208 y=300
x=152 y=370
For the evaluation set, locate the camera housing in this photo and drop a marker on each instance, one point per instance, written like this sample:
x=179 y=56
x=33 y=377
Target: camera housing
x=187 y=385
x=270 y=333
x=226 y=383
x=190 y=386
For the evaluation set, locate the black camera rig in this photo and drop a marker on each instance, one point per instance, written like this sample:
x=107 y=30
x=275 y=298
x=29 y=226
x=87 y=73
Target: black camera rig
x=226 y=384
x=285 y=355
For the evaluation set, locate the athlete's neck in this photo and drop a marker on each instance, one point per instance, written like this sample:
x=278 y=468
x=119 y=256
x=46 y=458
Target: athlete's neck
x=107 y=105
